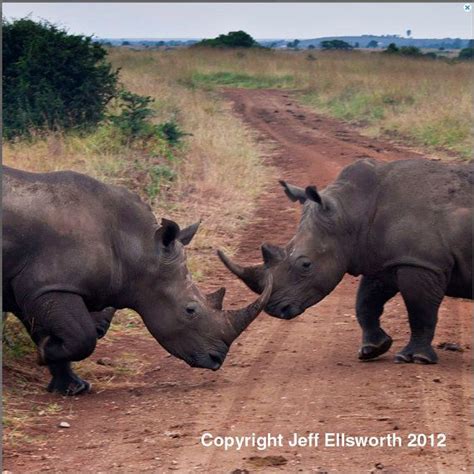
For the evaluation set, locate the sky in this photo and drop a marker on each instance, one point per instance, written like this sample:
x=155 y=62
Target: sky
x=261 y=20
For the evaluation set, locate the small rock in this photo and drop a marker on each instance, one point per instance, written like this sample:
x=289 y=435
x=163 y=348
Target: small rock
x=450 y=346
x=64 y=424
x=41 y=413
x=379 y=465
x=106 y=361
x=437 y=380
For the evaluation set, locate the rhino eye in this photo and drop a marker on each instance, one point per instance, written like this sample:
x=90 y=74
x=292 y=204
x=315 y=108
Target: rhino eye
x=192 y=309
x=304 y=263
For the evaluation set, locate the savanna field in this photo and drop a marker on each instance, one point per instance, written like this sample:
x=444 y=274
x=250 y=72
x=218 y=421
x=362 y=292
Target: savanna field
x=217 y=167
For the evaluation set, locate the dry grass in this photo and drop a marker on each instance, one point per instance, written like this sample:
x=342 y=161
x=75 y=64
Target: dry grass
x=428 y=102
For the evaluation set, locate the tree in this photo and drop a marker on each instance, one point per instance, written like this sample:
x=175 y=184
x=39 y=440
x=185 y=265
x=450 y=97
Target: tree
x=466 y=53
x=408 y=33
x=392 y=48
x=356 y=45
x=372 y=44
x=335 y=44
x=311 y=46
x=234 y=39
x=293 y=44
x=51 y=79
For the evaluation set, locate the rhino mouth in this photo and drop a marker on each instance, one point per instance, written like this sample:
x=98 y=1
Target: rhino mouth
x=284 y=311
x=213 y=360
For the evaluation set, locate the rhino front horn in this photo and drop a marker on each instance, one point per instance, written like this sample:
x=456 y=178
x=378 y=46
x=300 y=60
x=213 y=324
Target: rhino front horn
x=241 y=318
x=253 y=277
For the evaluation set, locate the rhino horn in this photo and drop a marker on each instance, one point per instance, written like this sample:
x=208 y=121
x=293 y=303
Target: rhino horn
x=253 y=276
x=216 y=298
x=241 y=318
x=272 y=254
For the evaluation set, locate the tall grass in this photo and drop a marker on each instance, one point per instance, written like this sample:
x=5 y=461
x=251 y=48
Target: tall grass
x=427 y=102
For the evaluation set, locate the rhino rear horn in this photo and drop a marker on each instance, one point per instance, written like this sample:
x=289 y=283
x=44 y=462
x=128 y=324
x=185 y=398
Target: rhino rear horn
x=253 y=277
x=272 y=254
x=186 y=235
x=294 y=193
x=216 y=299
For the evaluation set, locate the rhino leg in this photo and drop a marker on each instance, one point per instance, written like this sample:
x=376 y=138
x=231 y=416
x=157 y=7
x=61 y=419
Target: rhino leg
x=102 y=320
x=422 y=291
x=372 y=294
x=65 y=381
x=64 y=331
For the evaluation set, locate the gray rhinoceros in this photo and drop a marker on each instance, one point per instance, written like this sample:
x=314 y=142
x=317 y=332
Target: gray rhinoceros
x=405 y=226
x=75 y=248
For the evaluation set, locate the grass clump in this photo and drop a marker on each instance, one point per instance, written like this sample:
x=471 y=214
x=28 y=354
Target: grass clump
x=233 y=79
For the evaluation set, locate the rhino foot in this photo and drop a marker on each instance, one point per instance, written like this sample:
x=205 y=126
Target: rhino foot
x=424 y=355
x=69 y=386
x=371 y=350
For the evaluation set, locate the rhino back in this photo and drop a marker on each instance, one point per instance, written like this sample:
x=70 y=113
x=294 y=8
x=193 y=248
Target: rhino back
x=423 y=215
x=68 y=231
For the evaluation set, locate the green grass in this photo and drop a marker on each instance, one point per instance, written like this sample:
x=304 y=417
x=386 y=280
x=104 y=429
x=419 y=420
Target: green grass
x=233 y=79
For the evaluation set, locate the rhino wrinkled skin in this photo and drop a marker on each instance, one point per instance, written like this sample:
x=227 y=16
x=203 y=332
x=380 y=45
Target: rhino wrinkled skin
x=405 y=226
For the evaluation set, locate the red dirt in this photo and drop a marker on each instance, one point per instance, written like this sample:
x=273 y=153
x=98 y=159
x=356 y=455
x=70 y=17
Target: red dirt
x=280 y=376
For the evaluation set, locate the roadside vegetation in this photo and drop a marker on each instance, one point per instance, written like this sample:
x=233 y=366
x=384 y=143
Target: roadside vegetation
x=419 y=100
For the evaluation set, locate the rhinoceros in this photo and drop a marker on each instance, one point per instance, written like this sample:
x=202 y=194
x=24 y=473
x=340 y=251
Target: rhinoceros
x=75 y=249
x=405 y=226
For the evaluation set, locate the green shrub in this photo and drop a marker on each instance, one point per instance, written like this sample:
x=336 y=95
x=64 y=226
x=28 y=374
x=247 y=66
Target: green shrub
x=51 y=79
x=133 y=121
x=335 y=44
x=413 y=51
x=234 y=39
x=466 y=53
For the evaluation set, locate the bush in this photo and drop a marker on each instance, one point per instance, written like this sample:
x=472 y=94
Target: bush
x=51 y=79
x=335 y=44
x=234 y=39
x=466 y=53
x=133 y=121
x=413 y=51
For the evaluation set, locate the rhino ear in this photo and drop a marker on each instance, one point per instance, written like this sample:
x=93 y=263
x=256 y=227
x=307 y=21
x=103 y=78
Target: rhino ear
x=294 y=193
x=313 y=195
x=167 y=233
x=187 y=234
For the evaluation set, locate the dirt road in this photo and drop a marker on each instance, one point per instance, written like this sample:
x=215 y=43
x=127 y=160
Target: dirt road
x=281 y=377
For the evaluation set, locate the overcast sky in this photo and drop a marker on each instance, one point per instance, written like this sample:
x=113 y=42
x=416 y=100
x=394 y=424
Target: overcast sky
x=261 y=20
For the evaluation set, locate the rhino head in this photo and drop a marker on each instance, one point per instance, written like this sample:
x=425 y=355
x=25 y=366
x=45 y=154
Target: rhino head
x=188 y=324
x=310 y=266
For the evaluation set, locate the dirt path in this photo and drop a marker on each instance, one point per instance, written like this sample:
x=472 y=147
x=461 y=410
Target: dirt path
x=280 y=377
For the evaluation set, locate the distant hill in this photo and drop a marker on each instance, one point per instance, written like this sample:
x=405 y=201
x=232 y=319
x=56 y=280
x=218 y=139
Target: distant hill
x=382 y=42
x=149 y=42
x=357 y=41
